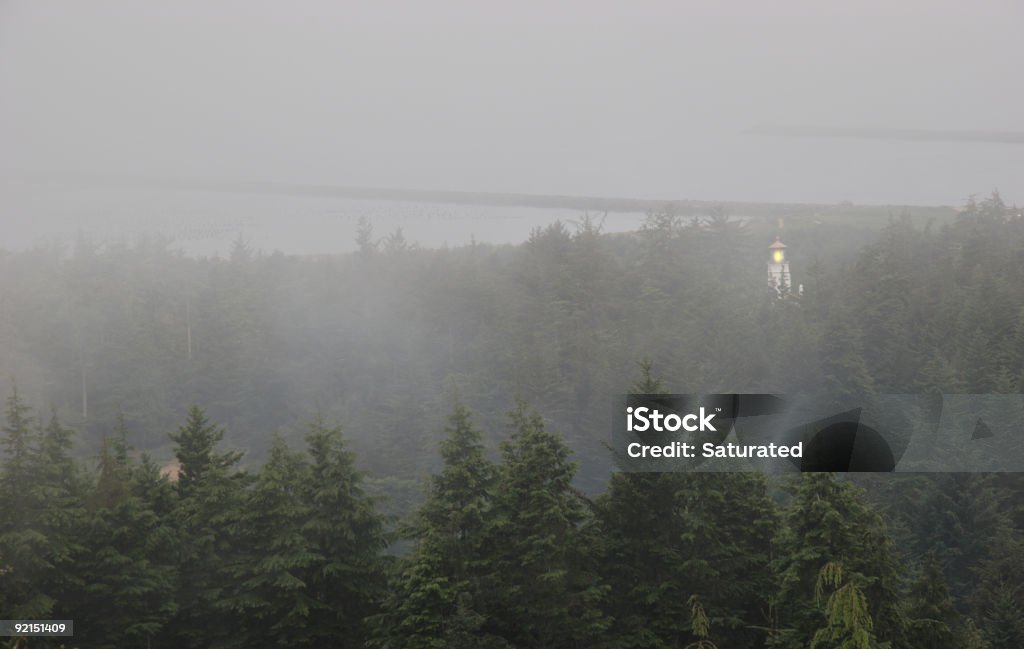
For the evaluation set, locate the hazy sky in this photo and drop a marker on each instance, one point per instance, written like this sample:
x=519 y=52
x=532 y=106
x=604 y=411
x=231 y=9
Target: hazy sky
x=626 y=99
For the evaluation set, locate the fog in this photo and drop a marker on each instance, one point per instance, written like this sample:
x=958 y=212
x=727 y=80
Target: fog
x=649 y=100
x=289 y=287
x=209 y=224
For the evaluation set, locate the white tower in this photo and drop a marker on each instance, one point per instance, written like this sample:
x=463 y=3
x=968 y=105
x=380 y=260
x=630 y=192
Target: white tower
x=778 y=269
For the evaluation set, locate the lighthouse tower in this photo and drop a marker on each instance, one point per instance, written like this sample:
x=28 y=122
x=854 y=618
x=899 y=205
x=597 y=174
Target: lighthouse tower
x=778 y=269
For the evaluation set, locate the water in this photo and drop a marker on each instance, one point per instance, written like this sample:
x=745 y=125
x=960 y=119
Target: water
x=207 y=224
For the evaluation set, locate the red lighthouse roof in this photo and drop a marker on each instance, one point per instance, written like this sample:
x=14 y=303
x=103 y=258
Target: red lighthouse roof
x=777 y=245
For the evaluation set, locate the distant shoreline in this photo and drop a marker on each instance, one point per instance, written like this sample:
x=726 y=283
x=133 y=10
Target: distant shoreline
x=683 y=207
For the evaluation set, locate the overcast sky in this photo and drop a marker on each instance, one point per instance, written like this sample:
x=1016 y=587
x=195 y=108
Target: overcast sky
x=625 y=99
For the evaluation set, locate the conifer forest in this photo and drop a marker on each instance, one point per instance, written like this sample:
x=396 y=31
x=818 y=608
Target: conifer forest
x=405 y=447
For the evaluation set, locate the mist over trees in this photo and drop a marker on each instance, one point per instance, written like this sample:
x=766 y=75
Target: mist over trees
x=503 y=524
x=375 y=338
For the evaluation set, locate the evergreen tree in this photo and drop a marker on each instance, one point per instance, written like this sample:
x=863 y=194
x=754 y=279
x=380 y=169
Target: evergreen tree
x=345 y=535
x=269 y=586
x=1002 y=622
x=210 y=498
x=997 y=603
x=20 y=550
x=642 y=529
x=844 y=373
x=932 y=619
x=543 y=591
x=199 y=463
x=127 y=571
x=454 y=517
x=956 y=516
x=829 y=523
x=20 y=547
x=15 y=479
x=848 y=624
x=60 y=510
x=464 y=630
x=38 y=516
x=700 y=626
x=439 y=583
x=672 y=536
x=419 y=605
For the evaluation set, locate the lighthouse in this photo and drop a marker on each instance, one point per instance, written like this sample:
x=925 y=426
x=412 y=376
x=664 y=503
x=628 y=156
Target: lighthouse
x=778 y=269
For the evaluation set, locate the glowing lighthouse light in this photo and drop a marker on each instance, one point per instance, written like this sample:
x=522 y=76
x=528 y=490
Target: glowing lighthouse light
x=778 y=269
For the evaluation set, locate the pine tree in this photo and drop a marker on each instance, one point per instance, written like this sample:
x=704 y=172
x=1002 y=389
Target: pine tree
x=40 y=514
x=933 y=622
x=730 y=523
x=642 y=527
x=700 y=625
x=956 y=516
x=439 y=582
x=346 y=535
x=997 y=603
x=939 y=375
x=454 y=517
x=210 y=499
x=844 y=373
x=22 y=547
x=127 y=571
x=199 y=464
x=15 y=479
x=269 y=587
x=465 y=629
x=672 y=536
x=828 y=522
x=111 y=484
x=61 y=514
x=419 y=605
x=1002 y=622
x=544 y=591
x=847 y=624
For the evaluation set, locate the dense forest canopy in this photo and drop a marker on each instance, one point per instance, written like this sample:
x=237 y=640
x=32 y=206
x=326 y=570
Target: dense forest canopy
x=378 y=338
x=472 y=386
